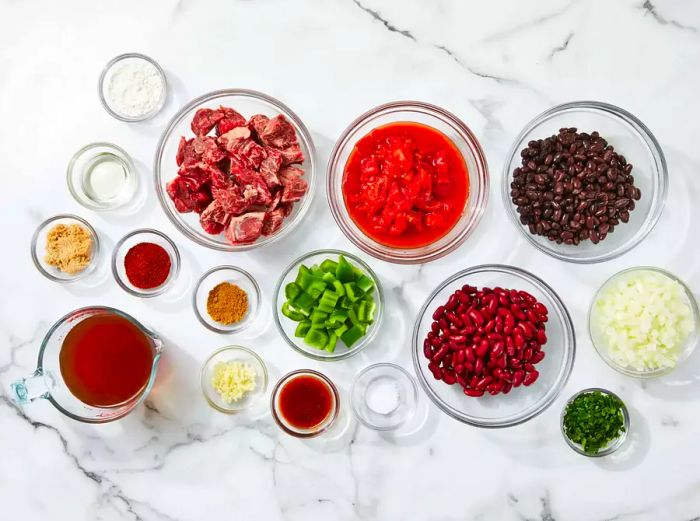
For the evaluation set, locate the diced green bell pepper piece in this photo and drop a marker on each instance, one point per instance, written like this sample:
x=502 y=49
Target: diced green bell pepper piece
x=345 y=302
x=332 y=341
x=317 y=338
x=339 y=316
x=361 y=311
x=304 y=301
x=344 y=272
x=318 y=318
x=328 y=278
x=302 y=328
x=316 y=287
x=328 y=301
x=329 y=266
x=352 y=335
x=353 y=292
x=339 y=288
x=371 y=308
x=301 y=274
x=316 y=271
x=291 y=313
x=291 y=290
x=340 y=330
x=365 y=283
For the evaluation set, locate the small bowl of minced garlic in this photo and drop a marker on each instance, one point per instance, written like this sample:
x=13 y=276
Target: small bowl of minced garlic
x=233 y=378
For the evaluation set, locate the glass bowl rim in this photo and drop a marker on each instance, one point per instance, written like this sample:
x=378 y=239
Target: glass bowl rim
x=614 y=444
x=174 y=269
x=309 y=171
x=289 y=376
x=94 y=258
x=660 y=175
x=600 y=349
x=234 y=348
x=569 y=339
x=100 y=87
x=251 y=317
x=386 y=253
x=124 y=156
x=365 y=341
x=413 y=388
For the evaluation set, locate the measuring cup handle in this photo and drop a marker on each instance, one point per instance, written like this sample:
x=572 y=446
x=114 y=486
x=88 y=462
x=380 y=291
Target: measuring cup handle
x=30 y=388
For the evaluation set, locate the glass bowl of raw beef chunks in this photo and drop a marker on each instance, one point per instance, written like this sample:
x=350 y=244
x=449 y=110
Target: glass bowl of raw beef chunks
x=235 y=170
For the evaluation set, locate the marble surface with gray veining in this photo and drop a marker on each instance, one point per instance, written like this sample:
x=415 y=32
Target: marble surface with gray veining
x=493 y=64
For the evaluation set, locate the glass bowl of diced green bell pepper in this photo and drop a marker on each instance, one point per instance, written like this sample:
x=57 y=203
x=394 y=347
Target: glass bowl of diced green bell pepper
x=328 y=305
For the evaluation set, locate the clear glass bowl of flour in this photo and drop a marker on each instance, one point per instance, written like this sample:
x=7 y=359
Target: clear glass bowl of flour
x=102 y=176
x=132 y=87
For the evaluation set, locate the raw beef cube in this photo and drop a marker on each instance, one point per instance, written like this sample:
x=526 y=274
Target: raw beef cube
x=292 y=154
x=218 y=177
x=186 y=153
x=187 y=195
x=230 y=120
x=232 y=200
x=254 y=188
x=197 y=177
x=276 y=200
x=204 y=120
x=270 y=166
x=257 y=123
x=230 y=139
x=180 y=155
x=206 y=147
x=247 y=151
x=278 y=133
x=294 y=185
x=245 y=229
x=287 y=207
x=273 y=221
x=214 y=218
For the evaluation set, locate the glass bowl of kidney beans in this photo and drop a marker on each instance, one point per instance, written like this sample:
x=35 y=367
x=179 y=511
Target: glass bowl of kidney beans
x=493 y=346
x=585 y=182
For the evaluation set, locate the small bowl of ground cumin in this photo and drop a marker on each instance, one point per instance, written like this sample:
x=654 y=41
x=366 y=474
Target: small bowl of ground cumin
x=226 y=299
x=65 y=248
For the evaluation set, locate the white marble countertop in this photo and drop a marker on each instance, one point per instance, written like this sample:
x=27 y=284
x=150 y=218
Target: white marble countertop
x=495 y=65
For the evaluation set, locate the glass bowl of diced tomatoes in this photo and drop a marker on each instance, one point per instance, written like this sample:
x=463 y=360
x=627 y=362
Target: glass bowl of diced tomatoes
x=407 y=182
x=234 y=170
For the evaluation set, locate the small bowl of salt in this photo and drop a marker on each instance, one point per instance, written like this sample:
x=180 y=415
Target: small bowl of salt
x=132 y=87
x=384 y=396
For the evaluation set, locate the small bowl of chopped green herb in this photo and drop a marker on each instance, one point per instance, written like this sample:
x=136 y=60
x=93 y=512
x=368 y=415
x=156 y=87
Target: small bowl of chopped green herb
x=328 y=305
x=595 y=422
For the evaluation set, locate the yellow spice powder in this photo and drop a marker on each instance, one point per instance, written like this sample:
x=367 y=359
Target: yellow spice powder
x=233 y=380
x=68 y=248
x=227 y=303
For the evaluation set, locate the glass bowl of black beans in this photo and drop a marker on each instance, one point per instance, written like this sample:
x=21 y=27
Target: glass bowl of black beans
x=586 y=182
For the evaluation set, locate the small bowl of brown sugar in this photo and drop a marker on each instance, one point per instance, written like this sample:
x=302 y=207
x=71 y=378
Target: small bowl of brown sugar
x=226 y=299
x=65 y=248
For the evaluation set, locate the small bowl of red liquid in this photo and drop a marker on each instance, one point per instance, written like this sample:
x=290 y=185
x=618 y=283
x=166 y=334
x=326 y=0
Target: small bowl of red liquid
x=145 y=263
x=407 y=182
x=305 y=403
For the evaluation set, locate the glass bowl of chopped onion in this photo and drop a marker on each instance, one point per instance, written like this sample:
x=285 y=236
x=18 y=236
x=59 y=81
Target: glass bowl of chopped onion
x=643 y=322
x=233 y=378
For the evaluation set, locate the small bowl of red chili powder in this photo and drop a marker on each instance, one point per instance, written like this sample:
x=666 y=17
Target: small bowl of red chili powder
x=145 y=263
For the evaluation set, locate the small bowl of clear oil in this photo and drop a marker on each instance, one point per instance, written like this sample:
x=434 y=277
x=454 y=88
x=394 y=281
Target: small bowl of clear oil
x=102 y=176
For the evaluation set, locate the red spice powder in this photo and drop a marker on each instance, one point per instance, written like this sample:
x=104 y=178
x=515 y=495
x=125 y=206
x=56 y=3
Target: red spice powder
x=147 y=265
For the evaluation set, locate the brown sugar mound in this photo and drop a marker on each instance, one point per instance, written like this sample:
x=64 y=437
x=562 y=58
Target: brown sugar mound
x=68 y=248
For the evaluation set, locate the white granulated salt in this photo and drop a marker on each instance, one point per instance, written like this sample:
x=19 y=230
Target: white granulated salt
x=134 y=88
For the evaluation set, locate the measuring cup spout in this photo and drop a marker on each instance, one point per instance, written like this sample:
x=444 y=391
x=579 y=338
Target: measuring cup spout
x=30 y=388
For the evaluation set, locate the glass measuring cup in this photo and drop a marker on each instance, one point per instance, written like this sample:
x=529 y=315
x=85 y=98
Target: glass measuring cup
x=47 y=381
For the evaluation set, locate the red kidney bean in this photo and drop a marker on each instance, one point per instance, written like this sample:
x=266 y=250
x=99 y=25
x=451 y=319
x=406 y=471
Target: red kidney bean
x=488 y=327
x=460 y=309
x=459 y=368
x=437 y=314
x=436 y=341
x=461 y=381
x=518 y=377
x=532 y=316
x=528 y=367
x=481 y=384
x=476 y=317
x=503 y=299
x=479 y=366
x=482 y=348
x=449 y=379
x=454 y=319
x=459 y=339
x=499 y=324
x=440 y=353
x=514 y=363
x=443 y=324
x=530 y=378
x=435 y=327
x=507 y=387
x=427 y=350
x=473 y=392
x=537 y=357
x=518 y=339
x=451 y=303
x=502 y=362
x=541 y=336
x=453 y=359
x=463 y=297
x=510 y=346
x=469 y=354
x=460 y=356
x=527 y=297
x=515 y=298
x=527 y=354
x=540 y=309
x=498 y=348
x=469 y=366
x=473 y=380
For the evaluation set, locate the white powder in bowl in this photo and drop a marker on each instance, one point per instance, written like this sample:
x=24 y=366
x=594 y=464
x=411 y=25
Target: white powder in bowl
x=133 y=88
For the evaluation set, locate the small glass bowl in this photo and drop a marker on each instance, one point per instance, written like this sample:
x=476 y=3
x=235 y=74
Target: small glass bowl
x=247 y=102
x=233 y=354
x=287 y=326
x=610 y=447
x=522 y=403
x=104 y=79
x=441 y=120
x=83 y=163
x=232 y=275
x=599 y=343
x=286 y=426
x=631 y=138
x=384 y=396
x=38 y=248
x=132 y=239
